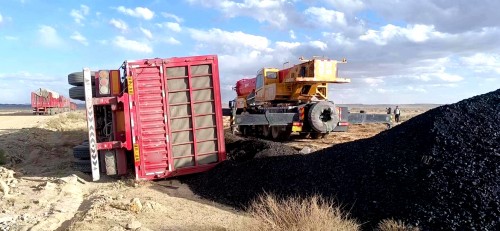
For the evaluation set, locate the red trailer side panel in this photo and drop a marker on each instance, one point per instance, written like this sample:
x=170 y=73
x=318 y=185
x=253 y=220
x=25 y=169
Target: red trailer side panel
x=176 y=116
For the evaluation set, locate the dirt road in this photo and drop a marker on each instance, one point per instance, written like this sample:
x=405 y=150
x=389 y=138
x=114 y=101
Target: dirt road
x=40 y=191
x=14 y=122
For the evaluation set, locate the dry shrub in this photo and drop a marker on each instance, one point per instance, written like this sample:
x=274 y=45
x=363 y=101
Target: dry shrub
x=313 y=213
x=55 y=124
x=75 y=116
x=67 y=121
x=392 y=225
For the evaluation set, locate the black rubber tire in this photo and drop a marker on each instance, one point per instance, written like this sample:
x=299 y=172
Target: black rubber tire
x=82 y=166
x=266 y=131
x=79 y=93
x=278 y=134
x=81 y=152
x=320 y=111
x=76 y=78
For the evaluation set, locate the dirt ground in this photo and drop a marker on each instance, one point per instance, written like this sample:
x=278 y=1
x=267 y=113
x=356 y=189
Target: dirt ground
x=40 y=190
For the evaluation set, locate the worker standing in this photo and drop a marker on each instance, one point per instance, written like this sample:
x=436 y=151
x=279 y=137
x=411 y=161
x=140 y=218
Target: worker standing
x=397 y=114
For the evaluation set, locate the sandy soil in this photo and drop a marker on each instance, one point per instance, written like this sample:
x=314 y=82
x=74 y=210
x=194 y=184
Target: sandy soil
x=39 y=190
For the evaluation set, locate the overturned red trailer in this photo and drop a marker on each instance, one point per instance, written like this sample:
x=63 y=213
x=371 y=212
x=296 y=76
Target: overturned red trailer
x=157 y=118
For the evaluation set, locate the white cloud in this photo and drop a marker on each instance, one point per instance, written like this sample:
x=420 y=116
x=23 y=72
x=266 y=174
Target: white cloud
x=318 y=44
x=416 y=89
x=147 y=33
x=447 y=15
x=230 y=41
x=274 y=12
x=346 y=5
x=287 y=45
x=414 y=33
x=79 y=38
x=132 y=45
x=326 y=17
x=138 y=12
x=173 y=26
x=292 y=34
x=172 y=41
x=79 y=15
x=449 y=77
x=338 y=38
x=25 y=75
x=482 y=62
x=373 y=82
x=48 y=36
x=1 y=18
x=119 y=24
x=172 y=16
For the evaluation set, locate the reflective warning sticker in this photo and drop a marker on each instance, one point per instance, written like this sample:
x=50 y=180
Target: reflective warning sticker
x=136 y=153
x=130 y=84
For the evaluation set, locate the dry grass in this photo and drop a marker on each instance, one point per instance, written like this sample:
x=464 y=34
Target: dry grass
x=293 y=214
x=67 y=121
x=392 y=225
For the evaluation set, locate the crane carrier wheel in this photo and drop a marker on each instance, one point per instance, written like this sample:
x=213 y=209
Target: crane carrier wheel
x=266 y=131
x=323 y=117
x=281 y=132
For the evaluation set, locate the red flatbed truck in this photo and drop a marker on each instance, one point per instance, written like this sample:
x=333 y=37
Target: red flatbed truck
x=44 y=101
x=155 y=118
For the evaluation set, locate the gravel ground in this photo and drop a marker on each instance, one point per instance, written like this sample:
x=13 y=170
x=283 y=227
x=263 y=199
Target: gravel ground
x=438 y=170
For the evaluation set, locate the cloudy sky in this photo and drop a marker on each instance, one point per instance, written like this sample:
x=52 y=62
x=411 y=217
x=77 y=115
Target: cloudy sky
x=427 y=51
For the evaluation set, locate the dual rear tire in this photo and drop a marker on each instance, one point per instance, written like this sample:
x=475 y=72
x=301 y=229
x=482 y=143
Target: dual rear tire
x=78 y=91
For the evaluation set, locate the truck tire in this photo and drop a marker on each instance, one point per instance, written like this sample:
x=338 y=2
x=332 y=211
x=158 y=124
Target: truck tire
x=82 y=166
x=266 y=131
x=76 y=78
x=323 y=117
x=79 y=93
x=81 y=152
x=280 y=133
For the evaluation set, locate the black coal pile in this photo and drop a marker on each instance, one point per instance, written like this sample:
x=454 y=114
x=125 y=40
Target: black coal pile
x=242 y=149
x=439 y=170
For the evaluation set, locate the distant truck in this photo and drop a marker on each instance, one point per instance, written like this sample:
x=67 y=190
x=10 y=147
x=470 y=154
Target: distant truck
x=47 y=102
x=153 y=118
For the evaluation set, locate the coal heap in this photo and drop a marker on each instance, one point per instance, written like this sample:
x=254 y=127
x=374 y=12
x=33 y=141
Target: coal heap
x=439 y=170
x=240 y=149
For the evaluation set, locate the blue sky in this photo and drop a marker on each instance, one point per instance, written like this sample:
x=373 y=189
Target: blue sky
x=429 y=51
